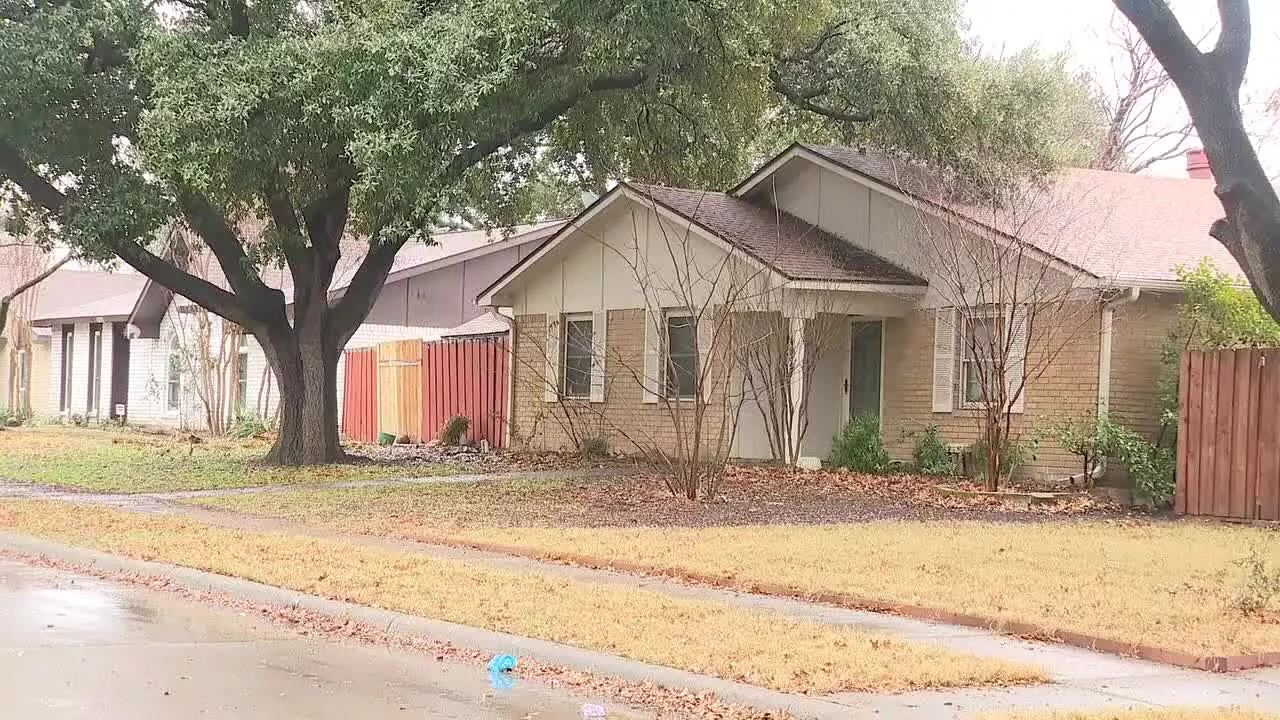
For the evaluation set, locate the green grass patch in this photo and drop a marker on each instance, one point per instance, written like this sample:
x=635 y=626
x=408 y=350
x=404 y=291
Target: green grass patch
x=132 y=462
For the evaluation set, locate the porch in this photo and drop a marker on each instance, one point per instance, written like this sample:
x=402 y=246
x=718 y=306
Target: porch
x=804 y=371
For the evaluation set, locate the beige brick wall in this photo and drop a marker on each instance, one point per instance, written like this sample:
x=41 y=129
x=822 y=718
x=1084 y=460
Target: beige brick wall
x=1068 y=387
x=624 y=419
x=1139 y=329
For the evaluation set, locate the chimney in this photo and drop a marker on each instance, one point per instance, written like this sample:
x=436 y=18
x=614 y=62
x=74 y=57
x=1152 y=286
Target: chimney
x=1198 y=165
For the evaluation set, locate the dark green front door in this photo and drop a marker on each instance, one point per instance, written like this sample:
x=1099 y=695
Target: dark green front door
x=864 y=367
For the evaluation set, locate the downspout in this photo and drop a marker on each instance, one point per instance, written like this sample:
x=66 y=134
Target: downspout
x=1104 y=347
x=1107 y=318
x=511 y=373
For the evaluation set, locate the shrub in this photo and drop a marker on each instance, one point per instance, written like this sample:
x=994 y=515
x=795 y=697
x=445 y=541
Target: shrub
x=455 y=428
x=1151 y=468
x=1260 y=586
x=929 y=456
x=1014 y=453
x=859 y=445
x=246 y=425
x=594 y=446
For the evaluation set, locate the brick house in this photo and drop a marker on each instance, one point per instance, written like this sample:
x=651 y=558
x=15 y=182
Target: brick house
x=610 y=312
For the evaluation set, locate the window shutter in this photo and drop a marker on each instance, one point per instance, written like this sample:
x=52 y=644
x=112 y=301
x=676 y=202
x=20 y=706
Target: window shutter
x=653 y=380
x=944 y=362
x=599 y=347
x=706 y=334
x=551 y=389
x=1017 y=366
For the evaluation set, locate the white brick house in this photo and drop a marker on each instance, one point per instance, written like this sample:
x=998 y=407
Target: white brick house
x=139 y=333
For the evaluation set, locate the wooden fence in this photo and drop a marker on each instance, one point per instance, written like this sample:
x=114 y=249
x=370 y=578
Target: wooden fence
x=1229 y=434
x=410 y=387
x=467 y=376
x=360 y=394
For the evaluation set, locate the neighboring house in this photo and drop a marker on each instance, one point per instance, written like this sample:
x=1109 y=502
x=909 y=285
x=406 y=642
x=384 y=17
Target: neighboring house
x=87 y=316
x=430 y=289
x=830 y=237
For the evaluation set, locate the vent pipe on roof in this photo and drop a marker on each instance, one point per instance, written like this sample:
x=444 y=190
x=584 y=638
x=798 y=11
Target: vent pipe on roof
x=1198 y=165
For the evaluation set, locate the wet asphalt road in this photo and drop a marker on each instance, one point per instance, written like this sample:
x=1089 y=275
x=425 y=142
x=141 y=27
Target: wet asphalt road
x=78 y=647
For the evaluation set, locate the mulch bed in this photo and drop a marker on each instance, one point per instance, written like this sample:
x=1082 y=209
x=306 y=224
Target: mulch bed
x=770 y=495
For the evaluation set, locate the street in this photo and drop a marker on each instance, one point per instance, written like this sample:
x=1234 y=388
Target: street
x=77 y=647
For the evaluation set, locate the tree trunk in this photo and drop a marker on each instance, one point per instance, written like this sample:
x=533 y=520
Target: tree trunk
x=306 y=367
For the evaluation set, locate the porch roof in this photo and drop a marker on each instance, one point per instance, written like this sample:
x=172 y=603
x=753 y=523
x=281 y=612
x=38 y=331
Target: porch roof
x=794 y=248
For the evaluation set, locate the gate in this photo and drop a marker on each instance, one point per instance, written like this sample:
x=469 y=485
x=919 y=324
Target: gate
x=1229 y=434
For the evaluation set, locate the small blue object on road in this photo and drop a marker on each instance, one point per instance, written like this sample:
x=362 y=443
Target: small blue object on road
x=499 y=680
x=502 y=663
x=593 y=712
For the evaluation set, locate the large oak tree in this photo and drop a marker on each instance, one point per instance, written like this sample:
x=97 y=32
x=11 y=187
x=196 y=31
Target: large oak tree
x=371 y=119
x=1210 y=82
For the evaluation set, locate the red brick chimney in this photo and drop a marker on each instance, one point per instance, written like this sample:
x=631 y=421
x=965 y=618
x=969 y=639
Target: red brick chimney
x=1198 y=165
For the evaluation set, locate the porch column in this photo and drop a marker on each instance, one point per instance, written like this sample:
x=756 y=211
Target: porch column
x=798 y=389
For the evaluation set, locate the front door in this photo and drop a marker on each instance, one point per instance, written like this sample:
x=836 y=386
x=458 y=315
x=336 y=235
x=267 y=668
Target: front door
x=867 y=340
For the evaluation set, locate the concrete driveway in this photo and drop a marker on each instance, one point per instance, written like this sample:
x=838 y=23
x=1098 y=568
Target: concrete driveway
x=77 y=647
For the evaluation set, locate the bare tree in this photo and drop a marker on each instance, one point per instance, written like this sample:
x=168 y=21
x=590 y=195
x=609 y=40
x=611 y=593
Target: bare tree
x=207 y=351
x=777 y=381
x=28 y=266
x=1006 y=308
x=1210 y=83
x=1135 y=99
x=23 y=266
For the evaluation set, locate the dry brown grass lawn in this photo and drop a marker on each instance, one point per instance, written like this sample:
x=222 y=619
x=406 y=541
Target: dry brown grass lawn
x=755 y=647
x=1167 y=584
x=1139 y=714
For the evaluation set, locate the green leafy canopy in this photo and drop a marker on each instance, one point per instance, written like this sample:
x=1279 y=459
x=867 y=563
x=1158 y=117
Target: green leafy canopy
x=222 y=99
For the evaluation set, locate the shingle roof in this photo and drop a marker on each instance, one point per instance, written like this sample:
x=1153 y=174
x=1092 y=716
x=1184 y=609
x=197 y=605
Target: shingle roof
x=793 y=247
x=1114 y=225
x=486 y=324
x=86 y=294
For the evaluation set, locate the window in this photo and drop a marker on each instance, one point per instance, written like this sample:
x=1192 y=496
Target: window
x=577 y=344
x=173 y=394
x=983 y=338
x=95 y=367
x=24 y=380
x=682 y=357
x=68 y=351
x=242 y=380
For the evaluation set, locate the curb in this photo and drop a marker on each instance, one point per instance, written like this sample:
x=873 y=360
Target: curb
x=473 y=638
x=1209 y=663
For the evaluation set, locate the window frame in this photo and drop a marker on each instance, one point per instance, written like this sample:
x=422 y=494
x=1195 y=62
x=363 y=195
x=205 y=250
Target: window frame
x=68 y=345
x=670 y=390
x=242 y=379
x=967 y=358
x=566 y=321
x=173 y=378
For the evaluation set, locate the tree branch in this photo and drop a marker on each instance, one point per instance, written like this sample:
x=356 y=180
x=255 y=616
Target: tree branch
x=803 y=99
x=7 y=300
x=1170 y=44
x=212 y=227
x=56 y=203
x=357 y=300
x=541 y=118
x=1231 y=53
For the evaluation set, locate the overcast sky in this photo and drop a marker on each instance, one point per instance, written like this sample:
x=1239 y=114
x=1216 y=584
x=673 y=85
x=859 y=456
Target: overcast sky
x=1081 y=28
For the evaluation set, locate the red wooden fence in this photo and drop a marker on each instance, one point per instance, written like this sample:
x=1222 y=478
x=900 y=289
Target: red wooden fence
x=360 y=395
x=466 y=376
x=1229 y=434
